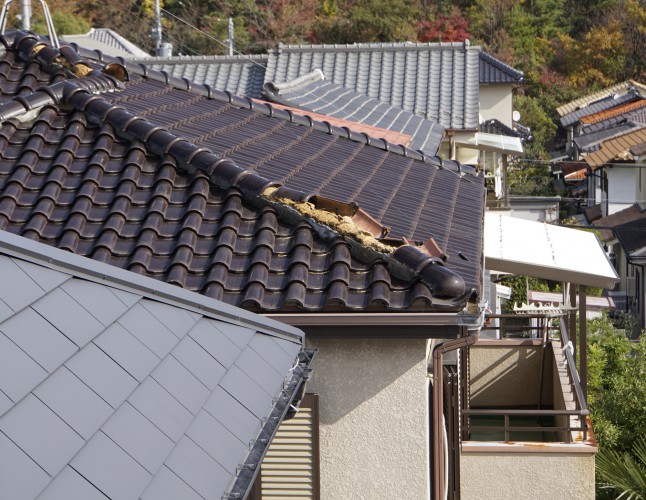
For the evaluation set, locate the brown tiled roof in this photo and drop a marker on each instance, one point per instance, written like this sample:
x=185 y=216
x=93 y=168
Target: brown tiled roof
x=615 y=149
x=602 y=94
x=610 y=113
x=171 y=180
x=606 y=224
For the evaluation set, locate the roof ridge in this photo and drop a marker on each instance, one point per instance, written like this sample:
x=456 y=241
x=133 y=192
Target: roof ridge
x=379 y=46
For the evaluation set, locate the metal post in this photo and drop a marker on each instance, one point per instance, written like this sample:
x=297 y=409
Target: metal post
x=230 y=39
x=26 y=14
x=157 y=30
x=583 y=341
x=505 y=183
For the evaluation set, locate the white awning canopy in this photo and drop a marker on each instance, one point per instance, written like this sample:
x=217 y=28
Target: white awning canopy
x=491 y=142
x=541 y=250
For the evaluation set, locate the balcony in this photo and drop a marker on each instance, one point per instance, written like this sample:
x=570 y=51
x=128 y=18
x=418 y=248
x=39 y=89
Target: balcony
x=524 y=410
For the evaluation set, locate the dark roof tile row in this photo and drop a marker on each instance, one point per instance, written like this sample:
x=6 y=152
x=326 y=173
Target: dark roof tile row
x=142 y=183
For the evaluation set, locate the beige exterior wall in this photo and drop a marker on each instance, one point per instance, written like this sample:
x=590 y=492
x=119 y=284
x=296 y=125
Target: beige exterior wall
x=531 y=476
x=496 y=102
x=373 y=418
x=508 y=376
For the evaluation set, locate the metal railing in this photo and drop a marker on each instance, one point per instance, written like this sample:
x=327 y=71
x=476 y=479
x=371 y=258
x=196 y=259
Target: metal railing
x=546 y=328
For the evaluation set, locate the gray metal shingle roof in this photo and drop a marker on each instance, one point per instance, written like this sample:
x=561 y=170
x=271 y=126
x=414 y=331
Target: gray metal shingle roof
x=439 y=81
x=591 y=141
x=330 y=99
x=108 y=42
x=595 y=107
x=155 y=392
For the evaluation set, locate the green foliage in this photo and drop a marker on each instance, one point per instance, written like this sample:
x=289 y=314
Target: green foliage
x=65 y=23
x=617 y=385
x=624 y=473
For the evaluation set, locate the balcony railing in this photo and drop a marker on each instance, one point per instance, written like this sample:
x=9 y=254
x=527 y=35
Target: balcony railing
x=517 y=424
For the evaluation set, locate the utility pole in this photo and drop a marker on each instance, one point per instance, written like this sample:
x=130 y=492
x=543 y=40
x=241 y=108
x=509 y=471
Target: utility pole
x=161 y=49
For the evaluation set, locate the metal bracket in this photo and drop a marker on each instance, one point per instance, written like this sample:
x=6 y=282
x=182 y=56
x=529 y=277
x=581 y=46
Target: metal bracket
x=48 y=20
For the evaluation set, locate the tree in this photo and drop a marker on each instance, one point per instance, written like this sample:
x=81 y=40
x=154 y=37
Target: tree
x=453 y=27
x=624 y=473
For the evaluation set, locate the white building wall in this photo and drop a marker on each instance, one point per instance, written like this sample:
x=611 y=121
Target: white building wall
x=496 y=102
x=623 y=187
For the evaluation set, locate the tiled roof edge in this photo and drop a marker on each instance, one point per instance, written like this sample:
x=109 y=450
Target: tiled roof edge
x=505 y=68
x=356 y=47
x=251 y=58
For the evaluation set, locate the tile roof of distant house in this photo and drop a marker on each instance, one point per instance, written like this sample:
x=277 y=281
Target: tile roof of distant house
x=606 y=224
x=109 y=42
x=119 y=385
x=176 y=181
x=613 y=112
x=494 y=126
x=617 y=148
x=312 y=92
x=439 y=81
x=639 y=149
x=637 y=116
x=240 y=74
x=582 y=102
x=599 y=106
x=632 y=237
x=590 y=142
x=493 y=70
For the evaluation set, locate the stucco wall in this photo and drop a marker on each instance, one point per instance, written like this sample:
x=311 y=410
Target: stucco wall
x=496 y=102
x=508 y=376
x=531 y=476
x=373 y=418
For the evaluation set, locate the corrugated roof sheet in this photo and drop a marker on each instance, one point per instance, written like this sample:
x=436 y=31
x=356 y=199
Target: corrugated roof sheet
x=615 y=149
x=240 y=74
x=166 y=179
x=108 y=42
x=114 y=385
x=584 y=101
x=330 y=99
x=493 y=70
x=439 y=81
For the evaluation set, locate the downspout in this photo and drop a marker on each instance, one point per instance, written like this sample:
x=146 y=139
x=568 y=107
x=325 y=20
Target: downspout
x=439 y=485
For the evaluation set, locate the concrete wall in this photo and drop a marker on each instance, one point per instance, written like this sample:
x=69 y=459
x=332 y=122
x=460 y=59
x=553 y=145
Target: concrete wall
x=373 y=418
x=496 y=102
x=531 y=476
x=508 y=376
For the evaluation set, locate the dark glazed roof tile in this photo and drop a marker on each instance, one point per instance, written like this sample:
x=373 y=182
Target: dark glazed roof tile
x=173 y=184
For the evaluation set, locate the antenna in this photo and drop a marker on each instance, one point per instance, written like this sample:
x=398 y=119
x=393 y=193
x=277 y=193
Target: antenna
x=27 y=13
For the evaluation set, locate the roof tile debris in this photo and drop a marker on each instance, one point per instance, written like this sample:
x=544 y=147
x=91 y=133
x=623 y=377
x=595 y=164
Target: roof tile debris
x=166 y=178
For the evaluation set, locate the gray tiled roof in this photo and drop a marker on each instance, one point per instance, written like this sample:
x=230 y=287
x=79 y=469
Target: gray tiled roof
x=439 y=81
x=242 y=75
x=493 y=70
x=109 y=42
x=591 y=141
x=325 y=97
x=601 y=105
x=114 y=385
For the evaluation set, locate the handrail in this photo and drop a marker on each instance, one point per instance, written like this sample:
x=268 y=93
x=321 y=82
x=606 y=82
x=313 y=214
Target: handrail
x=569 y=358
x=545 y=330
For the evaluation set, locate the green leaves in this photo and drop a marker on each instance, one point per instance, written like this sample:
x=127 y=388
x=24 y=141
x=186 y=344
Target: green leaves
x=624 y=473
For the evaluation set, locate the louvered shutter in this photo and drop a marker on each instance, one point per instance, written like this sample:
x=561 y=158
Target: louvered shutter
x=290 y=469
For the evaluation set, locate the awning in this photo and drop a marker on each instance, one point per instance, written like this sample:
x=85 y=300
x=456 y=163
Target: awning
x=541 y=250
x=491 y=142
